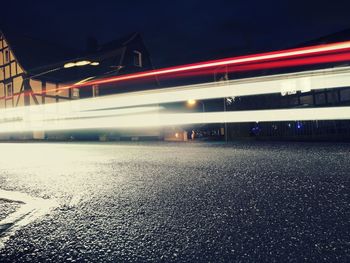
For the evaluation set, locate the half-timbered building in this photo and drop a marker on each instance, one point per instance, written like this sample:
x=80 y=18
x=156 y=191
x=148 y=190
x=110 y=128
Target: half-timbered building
x=32 y=71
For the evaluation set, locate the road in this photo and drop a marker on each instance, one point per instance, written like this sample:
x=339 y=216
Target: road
x=169 y=202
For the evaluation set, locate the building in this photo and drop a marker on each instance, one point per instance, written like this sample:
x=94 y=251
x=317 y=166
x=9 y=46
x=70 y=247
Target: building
x=32 y=71
x=297 y=130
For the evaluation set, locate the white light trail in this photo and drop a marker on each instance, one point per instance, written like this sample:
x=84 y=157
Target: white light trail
x=166 y=119
x=306 y=81
x=104 y=109
x=311 y=80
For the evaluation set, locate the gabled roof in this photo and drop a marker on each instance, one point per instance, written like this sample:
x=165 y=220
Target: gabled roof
x=123 y=41
x=37 y=57
x=34 y=54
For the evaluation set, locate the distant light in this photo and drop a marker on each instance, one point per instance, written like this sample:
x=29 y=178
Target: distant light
x=191 y=102
x=82 y=63
x=95 y=63
x=69 y=65
x=176 y=135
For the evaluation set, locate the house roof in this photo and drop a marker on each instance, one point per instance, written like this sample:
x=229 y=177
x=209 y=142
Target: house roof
x=44 y=60
x=34 y=54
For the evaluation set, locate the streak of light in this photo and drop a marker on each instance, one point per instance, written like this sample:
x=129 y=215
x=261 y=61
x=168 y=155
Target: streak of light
x=284 y=83
x=42 y=114
x=50 y=116
x=330 y=58
x=251 y=62
x=284 y=54
x=166 y=119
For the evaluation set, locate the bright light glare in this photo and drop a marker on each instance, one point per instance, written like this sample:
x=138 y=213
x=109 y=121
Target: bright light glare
x=312 y=80
x=69 y=65
x=103 y=109
x=82 y=63
x=191 y=102
x=167 y=119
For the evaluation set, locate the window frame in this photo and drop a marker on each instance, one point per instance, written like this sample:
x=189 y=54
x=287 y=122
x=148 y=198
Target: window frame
x=6 y=55
x=137 y=58
x=9 y=86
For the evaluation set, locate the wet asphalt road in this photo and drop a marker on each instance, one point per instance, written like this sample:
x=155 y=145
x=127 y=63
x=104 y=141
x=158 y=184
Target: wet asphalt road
x=247 y=202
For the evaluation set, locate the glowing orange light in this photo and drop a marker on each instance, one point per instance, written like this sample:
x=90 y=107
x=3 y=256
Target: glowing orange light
x=191 y=102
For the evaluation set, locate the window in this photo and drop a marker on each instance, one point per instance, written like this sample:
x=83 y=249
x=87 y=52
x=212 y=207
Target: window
x=320 y=98
x=7 y=56
x=9 y=90
x=306 y=100
x=95 y=91
x=332 y=96
x=137 y=58
x=75 y=93
x=345 y=95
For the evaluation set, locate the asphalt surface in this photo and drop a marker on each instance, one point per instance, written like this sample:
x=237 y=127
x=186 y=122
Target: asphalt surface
x=6 y=208
x=196 y=202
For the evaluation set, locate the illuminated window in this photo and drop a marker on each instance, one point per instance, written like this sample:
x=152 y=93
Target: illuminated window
x=7 y=56
x=137 y=58
x=9 y=90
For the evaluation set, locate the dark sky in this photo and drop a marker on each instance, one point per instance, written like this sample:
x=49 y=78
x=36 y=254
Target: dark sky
x=181 y=31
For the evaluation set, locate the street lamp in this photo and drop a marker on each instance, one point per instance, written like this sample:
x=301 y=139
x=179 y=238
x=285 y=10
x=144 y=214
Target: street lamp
x=68 y=65
x=192 y=102
x=80 y=63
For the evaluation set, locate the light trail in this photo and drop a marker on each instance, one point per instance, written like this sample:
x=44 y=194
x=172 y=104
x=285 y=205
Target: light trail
x=40 y=115
x=308 y=80
x=54 y=116
x=290 y=53
x=326 y=53
x=169 y=119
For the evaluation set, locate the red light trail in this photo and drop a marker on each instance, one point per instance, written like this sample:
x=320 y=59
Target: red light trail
x=307 y=52
x=320 y=54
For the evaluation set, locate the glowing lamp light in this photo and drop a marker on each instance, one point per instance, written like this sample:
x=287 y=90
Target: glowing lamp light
x=69 y=65
x=82 y=63
x=191 y=102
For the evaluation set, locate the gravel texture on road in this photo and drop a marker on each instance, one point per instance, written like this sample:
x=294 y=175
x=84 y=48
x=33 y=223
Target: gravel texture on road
x=169 y=202
x=7 y=208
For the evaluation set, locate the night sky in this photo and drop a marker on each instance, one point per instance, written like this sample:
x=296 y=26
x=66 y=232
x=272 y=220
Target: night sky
x=178 y=32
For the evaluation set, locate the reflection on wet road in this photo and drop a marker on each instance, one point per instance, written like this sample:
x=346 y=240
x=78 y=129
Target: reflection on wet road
x=179 y=202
